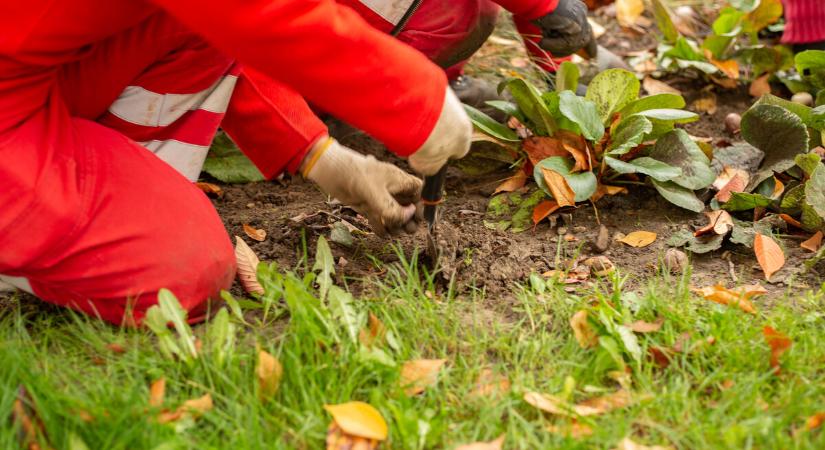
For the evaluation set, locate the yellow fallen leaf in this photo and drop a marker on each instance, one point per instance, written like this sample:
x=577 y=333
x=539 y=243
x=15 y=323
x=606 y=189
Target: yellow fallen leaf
x=359 y=419
x=191 y=408
x=739 y=296
x=496 y=444
x=629 y=11
x=338 y=440
x=269 y=372
x=574 y=429
x=582 y=331
x=419 y=374
x=157 y=391
x=768 y=254
x=729 y=67
x=628 y=444
x=247 y=262
x=654 y=87
x=558 y=186
x=590 y=407
x=639 y=239
x=254 y=233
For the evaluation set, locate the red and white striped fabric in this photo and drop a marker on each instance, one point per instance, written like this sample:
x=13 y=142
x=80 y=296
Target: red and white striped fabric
x=805 y=21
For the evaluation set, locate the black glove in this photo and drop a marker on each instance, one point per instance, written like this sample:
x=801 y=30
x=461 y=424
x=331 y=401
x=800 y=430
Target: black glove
x=566 y=30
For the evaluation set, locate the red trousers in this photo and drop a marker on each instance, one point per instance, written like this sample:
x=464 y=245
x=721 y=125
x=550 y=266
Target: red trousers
x=805 y=21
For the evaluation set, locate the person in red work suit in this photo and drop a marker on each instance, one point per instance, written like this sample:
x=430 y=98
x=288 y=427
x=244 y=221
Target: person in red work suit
x=107 y=110
x=804 y=24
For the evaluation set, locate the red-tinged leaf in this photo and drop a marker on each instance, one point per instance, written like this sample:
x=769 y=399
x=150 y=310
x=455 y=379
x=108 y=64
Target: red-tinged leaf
x=115 y=348
x=661 y=356
x=769 y=254
x=254 y=233
x=815 y=421
x=737 y=183
x=814 y=243
x=544 y=209
x=760 y=86
x=539 y=148
x=513 y=183
x=791 y=221
x=779 y=344
x=157 y=392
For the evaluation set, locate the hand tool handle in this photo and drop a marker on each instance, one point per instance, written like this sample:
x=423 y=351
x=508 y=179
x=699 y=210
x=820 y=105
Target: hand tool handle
x=432 y=193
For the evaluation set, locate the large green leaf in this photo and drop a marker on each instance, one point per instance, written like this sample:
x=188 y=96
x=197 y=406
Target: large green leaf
x=646 y=165
x=678 y=150
x=679 y=196
x=226 y=163
x=567 y=77
x=811 y=65
x=342 y=309
x=743 y=201
x=815 y=190
x=793 y=199
x=779 y=133
x=628 y=134
x=583 y=184
x=686 y=54
x=804 y=112
x=508 y=108
x=611 y=91
x=664 y=120
x=488 y=125
x=528 y=98
x=657 y=101
x=583 y=113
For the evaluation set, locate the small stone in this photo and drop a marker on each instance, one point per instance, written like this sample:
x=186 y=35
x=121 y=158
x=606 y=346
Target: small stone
x=600 y=265
x=250 y=205
x=561 y=230
x=602 y=242
x=619 y=236
x=579 y=229
x=803 y=98
x=342 y=262
x=676 y=261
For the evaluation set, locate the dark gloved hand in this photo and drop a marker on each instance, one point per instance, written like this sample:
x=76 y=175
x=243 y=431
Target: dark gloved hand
x=566 y=30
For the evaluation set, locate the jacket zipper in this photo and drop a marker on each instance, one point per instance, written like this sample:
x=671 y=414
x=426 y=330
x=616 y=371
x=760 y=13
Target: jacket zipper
x=399 y=27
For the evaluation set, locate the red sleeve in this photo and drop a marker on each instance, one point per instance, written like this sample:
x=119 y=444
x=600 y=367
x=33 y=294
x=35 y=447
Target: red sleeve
x=332 y=57
x=529 y=9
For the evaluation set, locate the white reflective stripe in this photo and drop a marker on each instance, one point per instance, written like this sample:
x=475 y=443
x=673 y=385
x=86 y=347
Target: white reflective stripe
x=151 y=109
x=185 y=158
x=390 y=10
x=15 y=282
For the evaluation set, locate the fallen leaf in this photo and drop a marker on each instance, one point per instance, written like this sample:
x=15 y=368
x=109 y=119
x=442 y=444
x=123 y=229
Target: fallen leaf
x=660 y=355
x=760 y=86
x=544 y=209
x=779 y=344
x=654 y=87
x=541 y=147
x=813 y=243
x=629 y=11
x=815 y=421
x=513 y=183
x=157 y=392
x=573 y=429
x=727 y=175
x=791 y=221
x=600 y=265
x=549 y=403
x=24 y=414
x=359 y=419
x=729 y=67
x=582 y=331
x=115 y=348
x=639 y=239
x=739 y=296
x=603 y=404
x=768 y=254
x=376 y=332
x=558 y=186
x=210 y=189
x=640 y=326
x=628 y=444
x=719 y=222
x=419 y=374
x=269 y=372
x=191 y=408
x=254 y=233
x=496 y=444
x=736 y=184
x=778 y=188
x=727 y=83
x=338 y=440
x=604 y=189
x=705 y=103
x=247 y=262
x=490 y=384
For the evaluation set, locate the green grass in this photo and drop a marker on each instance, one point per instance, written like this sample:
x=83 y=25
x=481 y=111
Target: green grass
x=63 y=362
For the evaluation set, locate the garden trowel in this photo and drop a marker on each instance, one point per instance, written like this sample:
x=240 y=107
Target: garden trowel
x=431 y=196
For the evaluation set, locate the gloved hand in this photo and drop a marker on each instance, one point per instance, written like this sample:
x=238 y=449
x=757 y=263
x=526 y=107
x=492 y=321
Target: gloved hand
x=566 y=30
x=383 y=193
x=450 y=138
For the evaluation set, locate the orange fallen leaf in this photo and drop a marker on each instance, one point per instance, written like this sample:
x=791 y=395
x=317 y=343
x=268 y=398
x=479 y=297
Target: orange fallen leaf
x=574 y=430
x=778 y=188
x=727 y=175
x=157 y=392
x=210 y=189
x=739 y=296
x=639 y=239
x=337 y=439
x=191 y=408
x=813 y=243
x=419 y=374
x=736 y=184
x=628 y=444
x=115 y=348
x=495 y=444
x=705 y=103
x=359 y=419
x=247 y=262
x=640 y=326
x=760 y=86
x=654 y=87
x=544 y=209
x=542 y=147
x=582 y=331
x=779 y=344
x=726 y=83
x=768 y=254
x=490 y=384
x=604 y=189
x=558 y=186
x=815 y=421
x=729 y=67
x=720 y=222
x=254 y=233
x=513 y=183
x=376 y=332
x=269 y=372
x=791 y=221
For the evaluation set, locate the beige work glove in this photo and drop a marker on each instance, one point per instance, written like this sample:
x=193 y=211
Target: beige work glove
x=450 y=138
x=383 y=193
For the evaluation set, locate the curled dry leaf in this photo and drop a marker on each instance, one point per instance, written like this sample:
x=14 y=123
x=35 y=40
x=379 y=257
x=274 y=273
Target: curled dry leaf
x=779 y=344
x=157 y=392
x=558 y=186
x=254 y=233
x=513 y=183
x=338 y=440
x=495 y=444
x=419 y=374
x=490 y=384
x=573 y=429
x=269 y=372
x=582 y=331
x=640 y=326
x=639 y=239
x=719 y=222
x=760 y=86
x=628 y=444
x=544 y=209
x=768 y=254
x=359 y=419
x=813 y=243
x=791 y=221
x=654 y=87
x=210 y=189
x=247 y=262
x=375 y=334
x=739 y=296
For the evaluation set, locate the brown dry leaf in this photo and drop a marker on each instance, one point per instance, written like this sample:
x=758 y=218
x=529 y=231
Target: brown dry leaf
x=157 y=392
x=513 y=183
x=247 y=262
x=629 y=11
x=660 y=355
x=628 y=444
x=541 y=147
x=419 y=374
x=269 y=372
x=115 y=348
x=210 y=189
x=338 y=440
x=573 y=429
x=639 y=239
x=778 y=188
x=359 y=419
x=760 y=86
x=813 y=243
x=727 y=175
x=768 y=254
x=719 y=222
x=779 y=344
x=544 y=209
x=254 y=233
x=705 y=103
x=727 y=83
x=490 y=384
x=549 y=403
x=737 y=183
x=604 y=189
x=582 y=331
x=791 y=221
x=495 y=444
x=558 y=186
x=376 y=332
x=640 y=326
x=193 y=408
x=815 y=421
x=739 y=296
x=603 y=404
x=654 y=86
x=729 y=67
